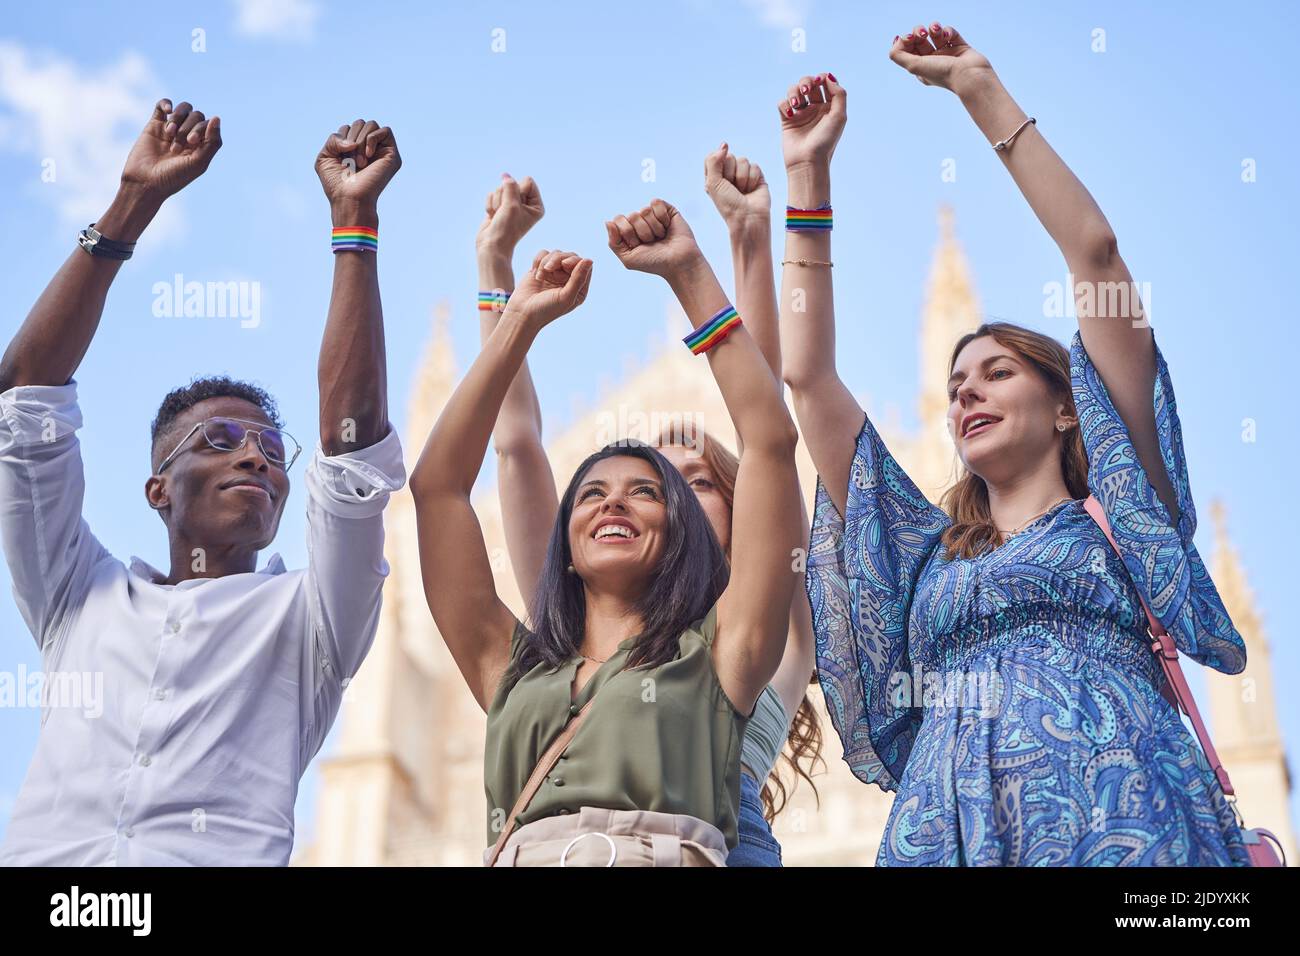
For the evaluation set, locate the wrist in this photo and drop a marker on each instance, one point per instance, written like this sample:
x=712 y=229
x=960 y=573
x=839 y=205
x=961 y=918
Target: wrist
x=697 y=289
x=809 y=185
x=687 y=272
x=975 y=82
x=354 y=212
x=517 y=326
x=493 y=257
x=130 y=213
x=751 y=231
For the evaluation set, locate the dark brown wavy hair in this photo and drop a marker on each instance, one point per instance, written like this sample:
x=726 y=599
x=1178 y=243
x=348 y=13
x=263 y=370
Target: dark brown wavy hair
x=803 y=750
x=972 y=531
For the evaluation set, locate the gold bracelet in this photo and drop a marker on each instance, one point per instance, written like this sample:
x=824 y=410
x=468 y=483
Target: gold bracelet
x=806 y=262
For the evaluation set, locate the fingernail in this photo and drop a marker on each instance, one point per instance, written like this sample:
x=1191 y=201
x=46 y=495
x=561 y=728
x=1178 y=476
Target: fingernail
x=793 y=102
x=832 y=75
x=908 y=37
x=803 y=89
x=923 y=33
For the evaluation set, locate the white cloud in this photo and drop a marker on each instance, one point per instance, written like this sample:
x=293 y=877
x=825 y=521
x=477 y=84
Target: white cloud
x=278 y=19
x=78 y=123
x=786 y=14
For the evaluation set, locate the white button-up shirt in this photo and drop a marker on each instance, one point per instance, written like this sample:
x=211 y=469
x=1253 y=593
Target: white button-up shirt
x=216 y=693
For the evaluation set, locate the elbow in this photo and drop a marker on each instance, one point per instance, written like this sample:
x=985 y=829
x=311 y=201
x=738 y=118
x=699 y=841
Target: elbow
x=1095 y=248
x=517 y=446
x=778 y=440
x=793 y=376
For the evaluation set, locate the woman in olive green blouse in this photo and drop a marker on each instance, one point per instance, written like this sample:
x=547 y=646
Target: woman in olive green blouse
x=636 y=609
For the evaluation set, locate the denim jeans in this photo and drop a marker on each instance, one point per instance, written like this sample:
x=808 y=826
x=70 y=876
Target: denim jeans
x=757 y=846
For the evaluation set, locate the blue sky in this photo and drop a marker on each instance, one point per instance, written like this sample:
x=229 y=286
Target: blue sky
x=1157 y=125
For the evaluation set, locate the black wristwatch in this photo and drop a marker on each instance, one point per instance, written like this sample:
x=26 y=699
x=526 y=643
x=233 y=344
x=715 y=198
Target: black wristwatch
x=97 y=244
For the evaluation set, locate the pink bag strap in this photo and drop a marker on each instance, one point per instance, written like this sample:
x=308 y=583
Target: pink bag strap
x=1165 y=649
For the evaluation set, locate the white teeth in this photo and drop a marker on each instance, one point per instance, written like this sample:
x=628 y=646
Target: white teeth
x=611 y=529
x=978 y=422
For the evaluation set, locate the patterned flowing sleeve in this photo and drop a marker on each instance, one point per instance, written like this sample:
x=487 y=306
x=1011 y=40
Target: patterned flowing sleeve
x=862 y=573
x=1160 y=557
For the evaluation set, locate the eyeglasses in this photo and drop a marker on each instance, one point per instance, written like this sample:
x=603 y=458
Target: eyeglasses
x=229 y=434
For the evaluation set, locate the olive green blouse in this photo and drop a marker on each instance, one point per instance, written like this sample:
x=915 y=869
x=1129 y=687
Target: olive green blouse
x=661 y=738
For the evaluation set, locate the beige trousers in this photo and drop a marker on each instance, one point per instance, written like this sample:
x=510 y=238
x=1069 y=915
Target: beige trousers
x=596 y=837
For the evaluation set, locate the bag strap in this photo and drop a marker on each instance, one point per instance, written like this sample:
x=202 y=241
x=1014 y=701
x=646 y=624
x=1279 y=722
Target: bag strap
x=1164 y=648
x=544 y=765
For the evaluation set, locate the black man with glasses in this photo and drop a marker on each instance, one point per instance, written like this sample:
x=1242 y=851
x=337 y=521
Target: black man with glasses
x=220 y=680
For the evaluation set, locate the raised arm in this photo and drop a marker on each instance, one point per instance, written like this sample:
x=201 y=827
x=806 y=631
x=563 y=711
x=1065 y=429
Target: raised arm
x=813 y=114
x=753 y=612
x=739 y=190
x=354 y=166
x=454 y=562
x=174 y=149
x=525 y=483
x=1112 y=322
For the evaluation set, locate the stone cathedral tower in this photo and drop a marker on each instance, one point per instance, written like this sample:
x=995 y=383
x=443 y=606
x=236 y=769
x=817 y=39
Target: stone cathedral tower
x=403 y=784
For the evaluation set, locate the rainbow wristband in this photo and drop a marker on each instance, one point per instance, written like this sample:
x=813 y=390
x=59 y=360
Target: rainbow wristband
x=354 y=239
x=494 y=301
x=713 y=331
x=808 y=220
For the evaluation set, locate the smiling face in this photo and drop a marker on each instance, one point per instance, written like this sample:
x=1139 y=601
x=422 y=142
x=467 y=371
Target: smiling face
x=704 y=483
x=619 y=523
x=219 y=499
x=1002 y=414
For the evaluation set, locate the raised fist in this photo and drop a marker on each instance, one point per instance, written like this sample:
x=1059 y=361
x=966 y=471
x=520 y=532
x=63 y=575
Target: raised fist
x=357 y=162
x=813 y=115
x=939 y=57
x=173 y=150
x=554 y=285
x=512 y=209
x=737 y=188
x=655 y=240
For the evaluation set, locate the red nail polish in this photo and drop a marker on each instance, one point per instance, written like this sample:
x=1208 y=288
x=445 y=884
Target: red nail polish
x=909 y=36
x=832 y=75
x=923 y=33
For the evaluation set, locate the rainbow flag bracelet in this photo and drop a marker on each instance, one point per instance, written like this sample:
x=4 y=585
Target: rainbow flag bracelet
x=713 y=331
x=493 y=301
x=354 y=239
x=808 y=220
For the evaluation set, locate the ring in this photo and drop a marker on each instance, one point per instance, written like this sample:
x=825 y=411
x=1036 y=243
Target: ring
x=613 y=850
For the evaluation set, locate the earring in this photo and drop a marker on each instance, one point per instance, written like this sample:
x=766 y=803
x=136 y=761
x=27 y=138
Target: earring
x=1061 y=426
x=571 y=570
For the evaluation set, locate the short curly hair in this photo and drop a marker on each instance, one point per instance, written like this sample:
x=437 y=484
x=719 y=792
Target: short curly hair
x=199 y=389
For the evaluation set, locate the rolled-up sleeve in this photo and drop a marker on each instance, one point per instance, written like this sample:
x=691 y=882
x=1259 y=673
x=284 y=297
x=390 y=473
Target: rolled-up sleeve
x=48 y=546
x=346 y=497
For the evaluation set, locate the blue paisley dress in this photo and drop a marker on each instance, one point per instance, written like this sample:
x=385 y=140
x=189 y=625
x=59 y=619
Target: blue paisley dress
x=1011 y=699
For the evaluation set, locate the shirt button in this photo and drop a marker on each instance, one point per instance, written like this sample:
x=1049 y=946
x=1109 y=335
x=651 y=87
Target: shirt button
x=573 y=710
x=175 y=627
x=160 y=694
x=563 y=810
x=558 y=781
x=129 y=832
x=145 y=761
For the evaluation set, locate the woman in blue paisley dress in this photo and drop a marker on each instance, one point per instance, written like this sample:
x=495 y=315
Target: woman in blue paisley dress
x=989 y=660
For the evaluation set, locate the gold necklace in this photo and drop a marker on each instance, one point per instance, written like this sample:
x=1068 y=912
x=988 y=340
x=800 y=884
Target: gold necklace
x=1030 y=521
